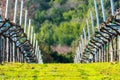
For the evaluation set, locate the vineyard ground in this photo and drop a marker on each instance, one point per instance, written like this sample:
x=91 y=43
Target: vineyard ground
x=91 y=71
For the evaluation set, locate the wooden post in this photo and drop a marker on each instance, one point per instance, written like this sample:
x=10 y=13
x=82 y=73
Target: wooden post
x=0 y=49
x=18 y=56
x=7 y=41
x=4 y=48
x=88 y=28
x=103 y=54
x=38 y=52
x=85 y=40
x=15 y=14
x=20 y=23
x=6 y=11
x=7 y=49
x=108 y=53
x=97 y=16
x=99 y=55
x=13 y=56
x=112 y=6
x=17 y=53
x=21 y=12
x=80 y=48
x=75 y=61
x=40 y=57
x=29 y=29
x=116 y=50
x=15 y=11
x=31 y=35
x=34 y=40
x=111 y=53
x=25 y=23
x=103 y=10
x=10 y=52
x=92 y=22
x=78 y=54
x=95 y=55
x=82 y=42
x=36 y=48
x=21 y=58
x=113 y=50
x=119 y=47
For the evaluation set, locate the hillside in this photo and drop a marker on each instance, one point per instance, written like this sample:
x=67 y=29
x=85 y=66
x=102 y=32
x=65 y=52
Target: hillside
x=61 y=22
x=57 y=23
x=93 y=71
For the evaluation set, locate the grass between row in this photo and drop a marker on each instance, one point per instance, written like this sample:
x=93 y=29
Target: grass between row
x=92 y=71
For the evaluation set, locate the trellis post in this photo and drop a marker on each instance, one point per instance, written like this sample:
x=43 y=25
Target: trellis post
x=103 y=10
x=29 y=29
x=7 y=40
x=111 y=53
x=112 y=6
x=34 y=40
x=119 y=47
x=85 y=42
x=82 y=42
x=88 y=28
x=97 y=16
x=25 y=23
x=14 y=20
x=31 y=35
x=92 y=22
x=21 y=12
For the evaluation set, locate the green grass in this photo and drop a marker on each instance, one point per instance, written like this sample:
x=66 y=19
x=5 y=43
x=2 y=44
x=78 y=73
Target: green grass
x=94 y=71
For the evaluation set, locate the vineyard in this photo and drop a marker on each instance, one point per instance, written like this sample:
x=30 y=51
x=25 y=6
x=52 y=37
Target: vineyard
x=59 y=39
x=94 y=71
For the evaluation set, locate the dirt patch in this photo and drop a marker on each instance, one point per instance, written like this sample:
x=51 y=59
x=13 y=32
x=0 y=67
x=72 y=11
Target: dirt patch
x=61 y=49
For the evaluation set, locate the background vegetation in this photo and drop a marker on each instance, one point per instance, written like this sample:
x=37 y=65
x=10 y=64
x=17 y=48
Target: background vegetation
x=60 y=22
